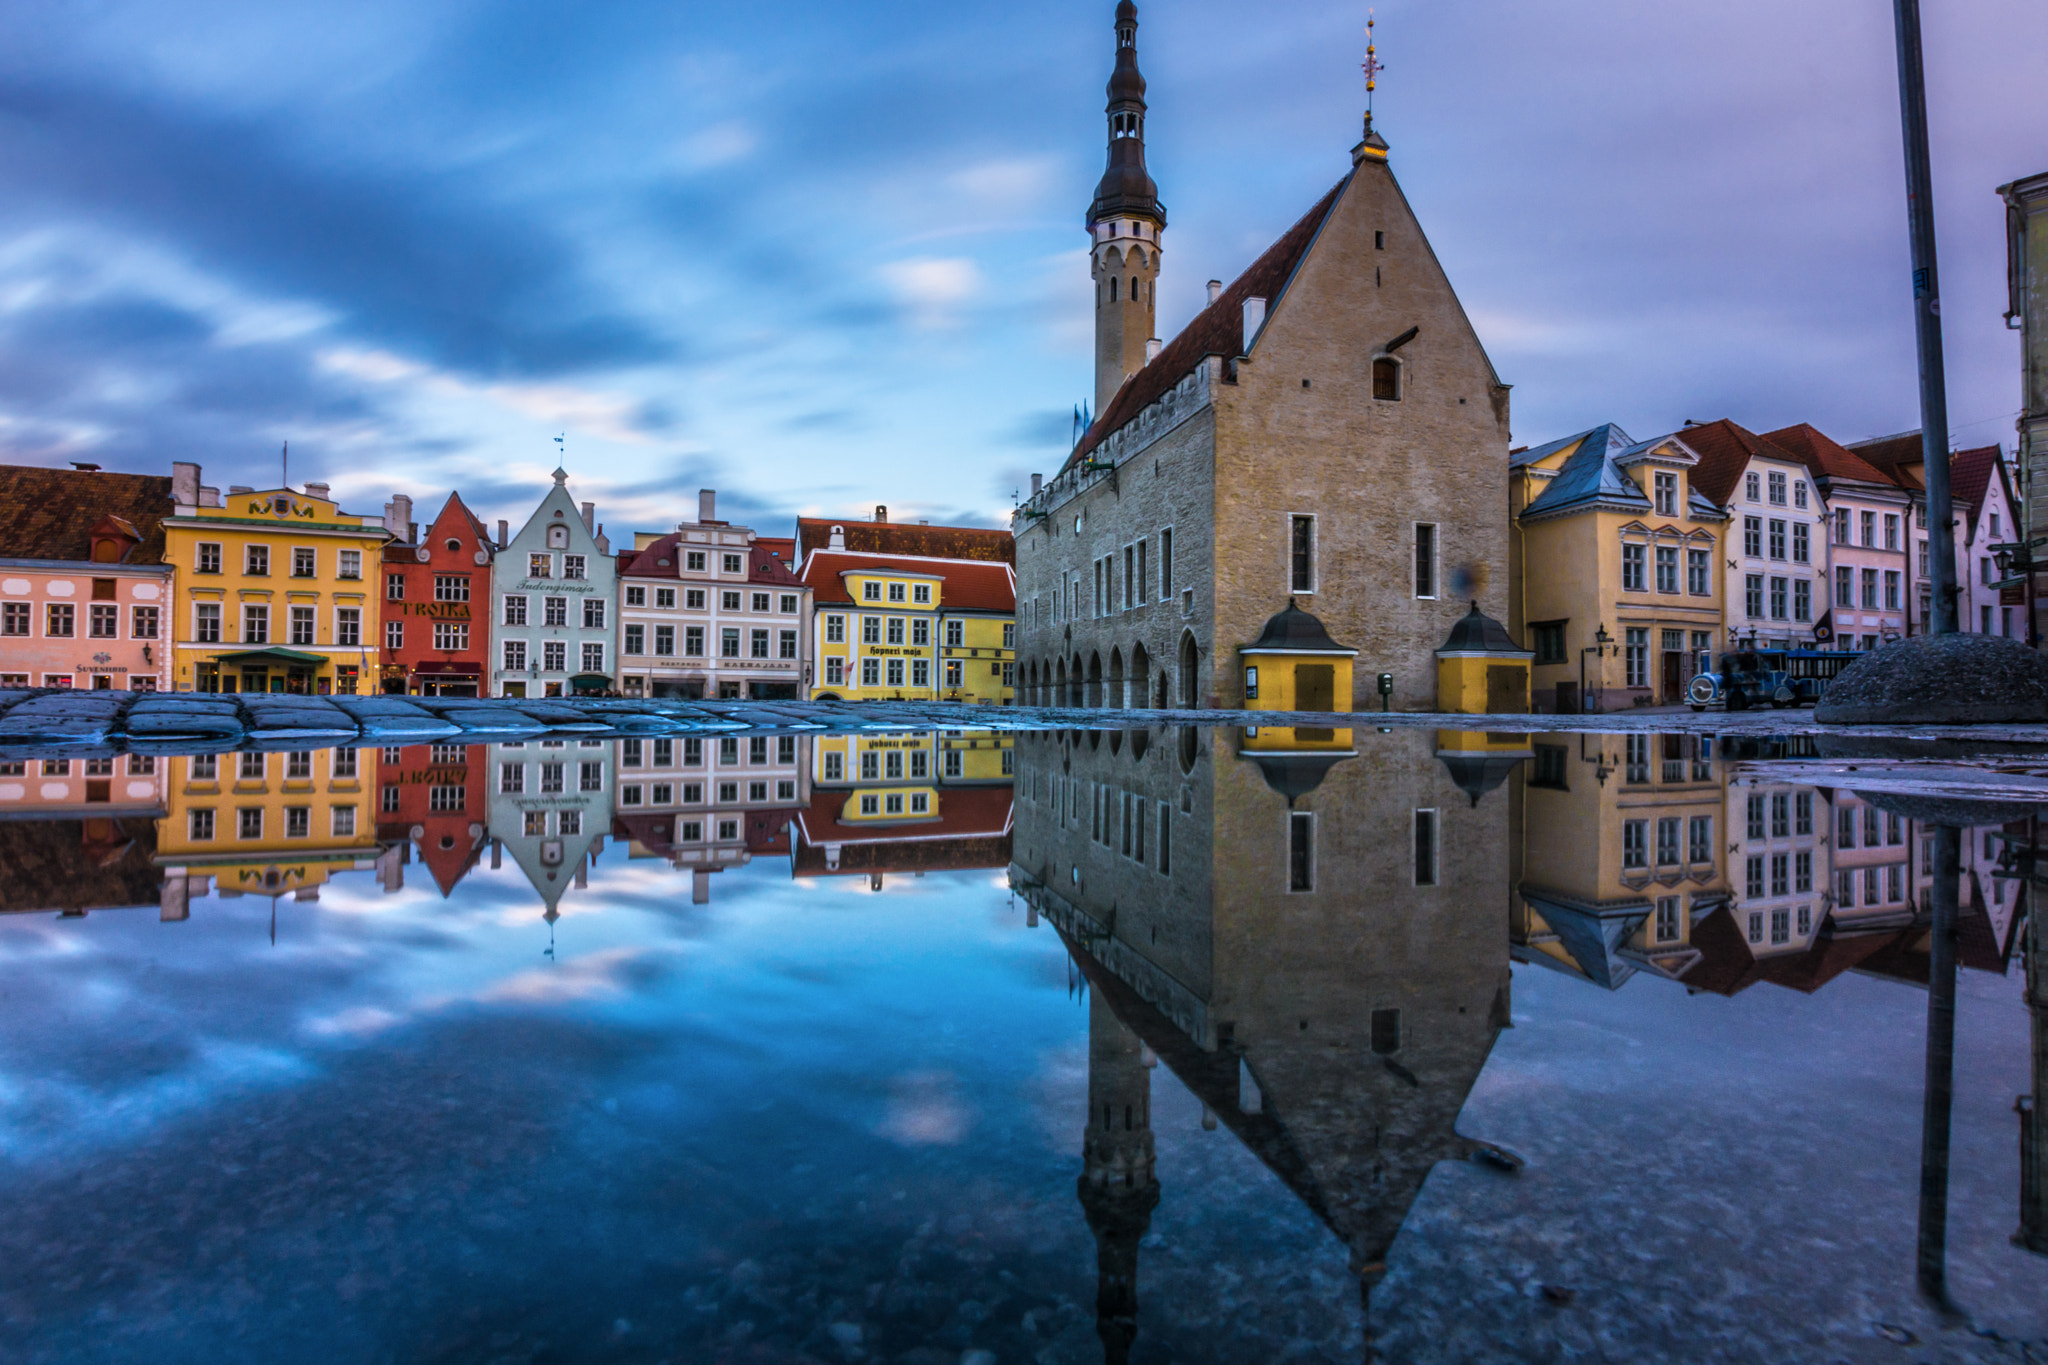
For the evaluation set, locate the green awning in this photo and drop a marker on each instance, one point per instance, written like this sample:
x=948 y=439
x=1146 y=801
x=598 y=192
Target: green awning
x=272 y=656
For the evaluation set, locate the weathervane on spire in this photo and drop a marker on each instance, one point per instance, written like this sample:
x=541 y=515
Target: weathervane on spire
x=1372 y=68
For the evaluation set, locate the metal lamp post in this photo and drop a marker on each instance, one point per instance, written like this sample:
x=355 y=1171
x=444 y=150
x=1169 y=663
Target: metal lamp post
x=1601 y=639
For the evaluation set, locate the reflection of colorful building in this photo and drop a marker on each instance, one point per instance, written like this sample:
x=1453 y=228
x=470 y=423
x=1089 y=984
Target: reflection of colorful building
x=83 y=586
x=76 y=866
x=917 y=802
x=436 y=592
x=1620 y=848
x=708 y=802
x=269 y=823
x=432 y=798
x=102 y=785
x=551 y=805
x=271 y=590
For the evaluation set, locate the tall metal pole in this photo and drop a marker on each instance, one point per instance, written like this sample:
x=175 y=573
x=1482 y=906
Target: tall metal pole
x=1938 y=1097
x=1927 y=322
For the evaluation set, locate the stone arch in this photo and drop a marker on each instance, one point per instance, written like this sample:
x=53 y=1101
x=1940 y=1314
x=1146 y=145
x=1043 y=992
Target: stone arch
x=1113 y=693
x=1077 y=688
x=1093 y=697
x=1190 y=672
x=1161 y=689
x=1140 y=690
x=1060 y=696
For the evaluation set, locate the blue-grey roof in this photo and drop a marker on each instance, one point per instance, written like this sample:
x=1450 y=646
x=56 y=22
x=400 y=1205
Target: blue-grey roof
x=1590 y=475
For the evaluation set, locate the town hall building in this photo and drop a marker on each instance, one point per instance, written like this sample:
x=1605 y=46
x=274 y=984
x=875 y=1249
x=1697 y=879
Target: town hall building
x=1326 y=436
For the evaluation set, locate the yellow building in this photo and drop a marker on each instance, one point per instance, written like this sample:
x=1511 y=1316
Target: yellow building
x=1613 y=561
x=906 y=627
x=1618 y=844
x=269 y=823
x=270 y=593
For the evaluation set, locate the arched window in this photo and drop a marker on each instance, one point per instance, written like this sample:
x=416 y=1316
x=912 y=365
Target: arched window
x=1112 y=288
x=1386 y=378
x=1134 y=289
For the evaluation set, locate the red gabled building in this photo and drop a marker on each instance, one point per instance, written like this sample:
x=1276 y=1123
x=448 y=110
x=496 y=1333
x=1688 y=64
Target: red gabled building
x=432 y=797
x=437 y=601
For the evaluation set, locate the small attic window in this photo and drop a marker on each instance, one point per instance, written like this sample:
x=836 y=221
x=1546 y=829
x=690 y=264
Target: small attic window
x=1386 y=378
x=1379 y=241
x=454 y=544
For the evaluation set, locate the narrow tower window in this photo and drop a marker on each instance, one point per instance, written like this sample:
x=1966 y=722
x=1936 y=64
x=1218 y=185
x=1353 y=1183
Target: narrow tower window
x=1112 y=288
x=1302 y=555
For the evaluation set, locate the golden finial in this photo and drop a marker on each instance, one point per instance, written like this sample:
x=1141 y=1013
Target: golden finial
x=1372 y=68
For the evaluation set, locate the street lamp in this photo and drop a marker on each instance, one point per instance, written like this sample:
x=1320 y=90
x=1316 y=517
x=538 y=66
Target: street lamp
x=1601 y=640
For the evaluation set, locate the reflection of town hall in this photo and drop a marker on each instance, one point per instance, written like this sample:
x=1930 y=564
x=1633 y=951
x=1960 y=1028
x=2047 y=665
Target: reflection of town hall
x=1299 y=936
x=1326 y=429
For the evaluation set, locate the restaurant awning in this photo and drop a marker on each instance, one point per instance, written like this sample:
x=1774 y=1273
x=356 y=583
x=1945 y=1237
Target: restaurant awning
x=291 y=657
x=591 y=682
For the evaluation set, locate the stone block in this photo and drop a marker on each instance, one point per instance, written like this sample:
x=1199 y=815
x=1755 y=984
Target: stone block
x=1940 y=680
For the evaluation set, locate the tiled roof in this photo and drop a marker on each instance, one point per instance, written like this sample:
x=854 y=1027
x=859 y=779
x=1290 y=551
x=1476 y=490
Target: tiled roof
x=647 y=563
x=78 y=864
x=47 y=513
x=765 y=565
x=1891 y=454
x=1825 y=457
x=972 y=831
x=1970 y=473
x=1216 y=330
x=995 y=545
x=1589 y=474
x=970 y=585
x=1725 y=450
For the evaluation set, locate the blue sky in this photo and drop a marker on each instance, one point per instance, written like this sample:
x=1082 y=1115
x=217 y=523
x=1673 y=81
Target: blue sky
x=820 y=256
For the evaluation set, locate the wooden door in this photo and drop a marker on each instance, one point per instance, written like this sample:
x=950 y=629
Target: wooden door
x=1504 y=695
x=1315 y=687
x=1674 y=678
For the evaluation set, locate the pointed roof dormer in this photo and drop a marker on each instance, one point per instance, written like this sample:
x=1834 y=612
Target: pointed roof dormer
x=1126 y=188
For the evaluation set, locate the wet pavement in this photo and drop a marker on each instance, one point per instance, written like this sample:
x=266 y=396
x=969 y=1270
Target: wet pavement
x=981 y=1046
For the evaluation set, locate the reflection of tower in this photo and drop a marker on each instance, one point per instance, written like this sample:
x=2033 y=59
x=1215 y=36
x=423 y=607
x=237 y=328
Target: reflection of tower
x=1117 y=1189
x=2033 y=1129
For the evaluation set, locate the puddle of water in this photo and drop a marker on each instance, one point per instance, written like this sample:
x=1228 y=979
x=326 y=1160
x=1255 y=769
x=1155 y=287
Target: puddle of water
x=1149 y=1045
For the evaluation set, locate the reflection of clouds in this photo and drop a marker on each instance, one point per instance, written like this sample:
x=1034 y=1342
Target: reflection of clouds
x=585 y=978
x=46 y=1115
x=359 y=1022
x=925 y=1110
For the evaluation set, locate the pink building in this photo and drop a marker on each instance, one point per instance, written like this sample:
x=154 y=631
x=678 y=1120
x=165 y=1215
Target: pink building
x=1869 y=570
x=1981 y=490
x=84 y=594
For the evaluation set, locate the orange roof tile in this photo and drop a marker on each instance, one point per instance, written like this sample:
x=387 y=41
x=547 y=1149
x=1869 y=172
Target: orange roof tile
x=49 y=513
x=1725 y=450
x=994 y=544
x=1824 y=456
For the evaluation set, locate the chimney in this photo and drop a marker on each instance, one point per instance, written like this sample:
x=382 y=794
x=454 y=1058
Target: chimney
x=590 y=517
x=398 y=515
x=1215 y=290
x=604 y=542
x=321 y=491
x=1037 y=481
x=1152 y=347
x=1254 y=319
x=412 y=533
x=881 y=513
x=838 y=541
x=707 y=504
x=185 y=483
x=504 y=539
x=209 y=497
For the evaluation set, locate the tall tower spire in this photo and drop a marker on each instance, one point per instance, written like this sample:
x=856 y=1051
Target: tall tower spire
x=1117 y=1186
x=1125 y=222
